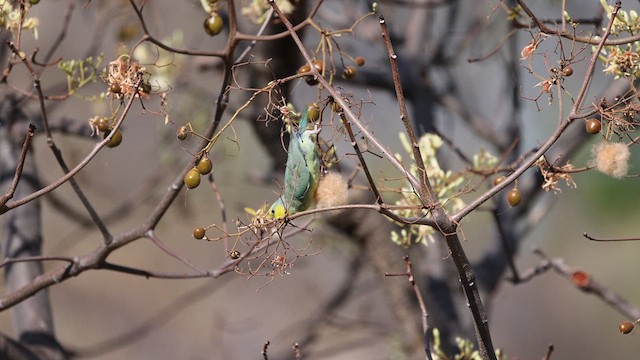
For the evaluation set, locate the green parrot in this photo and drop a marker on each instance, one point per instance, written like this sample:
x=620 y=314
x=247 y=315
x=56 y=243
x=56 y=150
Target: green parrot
x=302 y=172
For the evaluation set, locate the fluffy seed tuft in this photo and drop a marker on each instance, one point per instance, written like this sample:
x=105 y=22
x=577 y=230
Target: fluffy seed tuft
x=611 y=158
x=332 y=191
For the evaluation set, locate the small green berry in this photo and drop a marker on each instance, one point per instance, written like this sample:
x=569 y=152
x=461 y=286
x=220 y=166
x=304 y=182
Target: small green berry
x=204 y=166
x=115 y=140
x=213 y=24
x=192 y=178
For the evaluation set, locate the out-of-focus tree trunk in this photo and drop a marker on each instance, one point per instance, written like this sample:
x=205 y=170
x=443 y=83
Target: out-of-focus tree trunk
x=22 y=237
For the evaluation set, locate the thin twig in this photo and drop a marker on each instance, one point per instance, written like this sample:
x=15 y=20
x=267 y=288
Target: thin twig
x=296 y=351
x=547 y=356
x=592 y=64
x=8 y=195
x=253 y=43
x=14 y=204
x=151 y=235
x=63 y=32
x=423 y=308
x=148 y=37
x=363 y=163
x=7 y=261
x=572 y=36
x=586 y=283
x=593 y=238
x=425 y=191
x=494 y=50
x=508 y=252
x=264 y=349
x=533 y=272
x=223 y=212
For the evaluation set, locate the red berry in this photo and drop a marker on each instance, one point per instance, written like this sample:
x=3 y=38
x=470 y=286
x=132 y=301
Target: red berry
x=625 y=327
x=580 y=278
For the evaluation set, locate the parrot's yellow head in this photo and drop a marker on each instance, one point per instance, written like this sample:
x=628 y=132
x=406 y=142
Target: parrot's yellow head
x=277 y=210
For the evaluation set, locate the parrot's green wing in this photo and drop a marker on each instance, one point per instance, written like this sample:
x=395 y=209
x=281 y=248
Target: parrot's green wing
x=297 y=179
x=301 y=173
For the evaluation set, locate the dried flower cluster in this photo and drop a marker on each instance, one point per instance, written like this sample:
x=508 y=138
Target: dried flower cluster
x=123 y=74
x=553 y=174
x=527 y=51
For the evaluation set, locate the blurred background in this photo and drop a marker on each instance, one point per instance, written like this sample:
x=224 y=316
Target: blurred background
x=336 y=299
